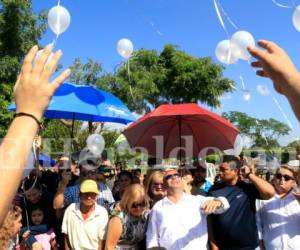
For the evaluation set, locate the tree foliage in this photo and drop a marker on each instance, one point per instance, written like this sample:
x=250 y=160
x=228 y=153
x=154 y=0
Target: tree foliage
x=20 y=29
x=151 y=78
x=87 y=73
x=264 y=133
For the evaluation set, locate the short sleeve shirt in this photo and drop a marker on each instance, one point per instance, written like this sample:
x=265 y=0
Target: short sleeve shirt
x=236 y=228
x=85 y=234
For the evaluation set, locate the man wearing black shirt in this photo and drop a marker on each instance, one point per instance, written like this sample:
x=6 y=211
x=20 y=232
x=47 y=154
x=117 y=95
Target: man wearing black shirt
x=236 y=228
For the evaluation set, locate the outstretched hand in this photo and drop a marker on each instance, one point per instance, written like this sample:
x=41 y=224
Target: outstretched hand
x=211 y=206
x=32 y=90
x=273 y=62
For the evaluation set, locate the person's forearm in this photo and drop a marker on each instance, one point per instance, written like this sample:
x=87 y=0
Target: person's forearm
x=100 y=245
x=13 y=156
x=67 y=244
x=265 y=189
x=59 y=198
x=294 y=100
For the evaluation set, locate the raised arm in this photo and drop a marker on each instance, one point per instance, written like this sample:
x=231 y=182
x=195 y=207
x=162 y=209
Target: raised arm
x=32 y=95
x=274 y=63
x=264 y=188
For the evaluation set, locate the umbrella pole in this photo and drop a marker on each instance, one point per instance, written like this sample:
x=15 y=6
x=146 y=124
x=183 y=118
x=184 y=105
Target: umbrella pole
x=179 y=125
x=72 y=130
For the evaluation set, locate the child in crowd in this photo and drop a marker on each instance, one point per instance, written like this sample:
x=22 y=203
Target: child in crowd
x=38 y=230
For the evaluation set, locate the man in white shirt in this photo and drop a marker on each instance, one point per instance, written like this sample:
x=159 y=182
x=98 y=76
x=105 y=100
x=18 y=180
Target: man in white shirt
x=278 y=219
x=178 y=221
x=85 y=223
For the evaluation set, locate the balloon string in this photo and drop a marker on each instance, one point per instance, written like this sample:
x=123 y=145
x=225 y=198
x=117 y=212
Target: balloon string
x=220 y=18
x=242 y=81
x=54 y=42
x=281 y=5
x=149 y=21
x=58 y=2
x=128 y=70
x=283 y=113
x=262 y=133
x=227 y=16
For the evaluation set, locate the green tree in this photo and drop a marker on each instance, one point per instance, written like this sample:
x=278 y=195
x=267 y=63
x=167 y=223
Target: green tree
x=87 y=73
x=172 y=76
x=263 y=133
x=20 y=29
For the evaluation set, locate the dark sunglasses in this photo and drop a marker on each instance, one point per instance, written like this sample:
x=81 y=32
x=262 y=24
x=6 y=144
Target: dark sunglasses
x=284 y=176
x=138 y=205
x=171 y=176
x=88 y=173
x=157 y=184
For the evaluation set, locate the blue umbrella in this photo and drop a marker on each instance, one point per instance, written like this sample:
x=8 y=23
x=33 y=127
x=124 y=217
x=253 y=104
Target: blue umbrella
x=45 y=160
x=86 y=103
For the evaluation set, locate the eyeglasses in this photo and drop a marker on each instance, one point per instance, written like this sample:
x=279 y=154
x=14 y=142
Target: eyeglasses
x=138 y=205
x=157 y=184
x=286 y=177
x=171 y=176
x=88 y=173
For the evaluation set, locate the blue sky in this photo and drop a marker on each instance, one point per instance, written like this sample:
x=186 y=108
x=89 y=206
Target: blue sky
x=193 y=25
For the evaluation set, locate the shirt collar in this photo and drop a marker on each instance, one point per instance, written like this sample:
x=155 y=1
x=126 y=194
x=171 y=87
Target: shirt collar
x=167 y=201
x=96 y=212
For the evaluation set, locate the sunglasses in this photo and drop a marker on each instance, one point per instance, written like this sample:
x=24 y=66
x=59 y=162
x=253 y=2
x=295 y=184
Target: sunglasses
x=157 y=184
x=88 y=173
x=284 y=176
x=138 y=205
x=171 y=176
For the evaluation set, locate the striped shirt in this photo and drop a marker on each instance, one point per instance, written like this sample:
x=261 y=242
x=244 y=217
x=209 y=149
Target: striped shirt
x=105 y=198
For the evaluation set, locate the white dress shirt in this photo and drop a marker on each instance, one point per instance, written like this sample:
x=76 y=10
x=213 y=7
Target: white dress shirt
x=181 y=225
x=278 y=222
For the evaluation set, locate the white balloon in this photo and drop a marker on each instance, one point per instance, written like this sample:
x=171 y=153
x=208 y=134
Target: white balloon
x=239 y=43
x=224 y=54
x=237 y=147
x=125 y=48
x=246 y=95
x=59 y=19
x=296 y=18
x=29 y=165
x=95 y=143
x=263 y=90
x=38 y=55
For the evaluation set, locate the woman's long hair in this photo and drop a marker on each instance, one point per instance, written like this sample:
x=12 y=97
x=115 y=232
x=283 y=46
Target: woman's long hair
x=7 y=228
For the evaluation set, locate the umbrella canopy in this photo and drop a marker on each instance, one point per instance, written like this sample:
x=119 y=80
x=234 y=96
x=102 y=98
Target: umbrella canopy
x=159 y=131
x=46 y=160
x=86 y=103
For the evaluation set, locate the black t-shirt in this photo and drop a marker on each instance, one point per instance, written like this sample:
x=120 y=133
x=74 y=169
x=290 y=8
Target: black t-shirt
x=236 y=228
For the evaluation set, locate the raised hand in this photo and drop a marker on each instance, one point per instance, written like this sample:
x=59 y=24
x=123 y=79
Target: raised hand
x=32 y=90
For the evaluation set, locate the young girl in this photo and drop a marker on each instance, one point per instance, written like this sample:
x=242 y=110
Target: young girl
x=47 y=239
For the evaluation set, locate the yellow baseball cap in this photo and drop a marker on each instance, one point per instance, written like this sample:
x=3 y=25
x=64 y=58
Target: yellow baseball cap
x=89 y=186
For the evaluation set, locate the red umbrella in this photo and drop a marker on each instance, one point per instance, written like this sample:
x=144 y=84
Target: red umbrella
x=158 y=132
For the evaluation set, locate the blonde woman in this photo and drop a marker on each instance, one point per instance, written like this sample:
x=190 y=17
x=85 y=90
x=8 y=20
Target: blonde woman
x=278 y=219
x=155 y=187
x=10 y=228
x=127 y=225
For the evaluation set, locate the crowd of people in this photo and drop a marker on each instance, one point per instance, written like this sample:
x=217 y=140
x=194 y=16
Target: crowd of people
x=76 y=208
x=170 y=209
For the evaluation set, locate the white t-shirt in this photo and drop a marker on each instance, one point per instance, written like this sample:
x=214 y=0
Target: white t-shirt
x=85 y=234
